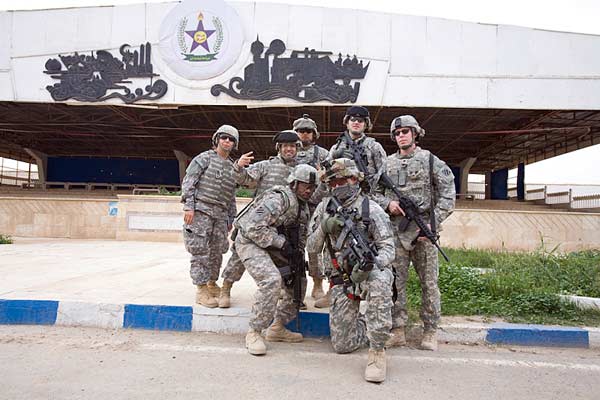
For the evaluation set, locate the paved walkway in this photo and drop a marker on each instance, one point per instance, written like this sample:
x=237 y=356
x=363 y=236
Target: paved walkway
x=106 y=271
x=126 y=284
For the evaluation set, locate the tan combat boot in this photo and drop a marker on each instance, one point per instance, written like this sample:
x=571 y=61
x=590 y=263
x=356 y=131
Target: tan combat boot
x=278 y=333
x=376 y=366
x=214 y=289
x=204 y=298
x=323 y=302
x=397 y=338
x=429 y=341
x=317 y=290
x=255 y=344
x=225 y=296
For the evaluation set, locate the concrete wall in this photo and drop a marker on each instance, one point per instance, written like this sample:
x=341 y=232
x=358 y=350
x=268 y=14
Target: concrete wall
x=57 y=217
x=414 y=61
x=521 y=230
x=159 y=218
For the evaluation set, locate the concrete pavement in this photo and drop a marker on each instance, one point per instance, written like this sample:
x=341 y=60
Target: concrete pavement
x=114 y=284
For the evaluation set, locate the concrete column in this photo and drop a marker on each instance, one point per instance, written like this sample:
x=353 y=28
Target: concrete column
x=41 y=160
x=465 y=167
x=184 y=161
x=521 y=182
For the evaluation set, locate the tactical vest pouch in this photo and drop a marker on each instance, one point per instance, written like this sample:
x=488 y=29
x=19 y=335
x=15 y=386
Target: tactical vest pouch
x=403 y=224
x=287 y=275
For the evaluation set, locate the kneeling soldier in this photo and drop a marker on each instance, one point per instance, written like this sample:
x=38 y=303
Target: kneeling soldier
x=358 y=237
x=261 y=242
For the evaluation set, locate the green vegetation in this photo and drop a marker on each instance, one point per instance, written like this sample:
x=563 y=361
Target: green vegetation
x=520 y=287
x=5 y=239
x=243 y=192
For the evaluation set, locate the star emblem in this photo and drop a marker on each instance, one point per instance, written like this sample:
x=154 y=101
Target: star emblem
x=200 y=36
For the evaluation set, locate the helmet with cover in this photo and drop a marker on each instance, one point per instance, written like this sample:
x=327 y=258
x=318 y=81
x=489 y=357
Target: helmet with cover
x=226 y=130
x=406 y=121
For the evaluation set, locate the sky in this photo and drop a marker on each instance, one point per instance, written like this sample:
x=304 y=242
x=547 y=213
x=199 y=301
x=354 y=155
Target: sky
x=581 y=16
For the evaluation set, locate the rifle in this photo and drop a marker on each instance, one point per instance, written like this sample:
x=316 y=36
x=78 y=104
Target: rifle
x=411 y=212
x=357 y=249
x=360 y=158
x=294 y=273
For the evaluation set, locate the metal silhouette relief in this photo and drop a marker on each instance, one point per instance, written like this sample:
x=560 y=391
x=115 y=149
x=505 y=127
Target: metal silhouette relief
x=307 y=76
x=102 y=76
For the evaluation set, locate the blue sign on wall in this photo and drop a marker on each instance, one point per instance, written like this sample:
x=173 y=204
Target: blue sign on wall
x=113 y=170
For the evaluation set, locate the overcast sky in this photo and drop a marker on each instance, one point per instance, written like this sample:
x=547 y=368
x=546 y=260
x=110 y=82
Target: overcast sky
x=565 y=15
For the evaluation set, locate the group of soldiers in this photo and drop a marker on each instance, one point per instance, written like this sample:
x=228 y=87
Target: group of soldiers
x=361 y=216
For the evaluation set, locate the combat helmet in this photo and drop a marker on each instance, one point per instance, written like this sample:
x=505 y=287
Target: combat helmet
x=303 y=173
x=229 y=130
x=358 y=111
x=406 y=121
x=287 y=136
x=341 y=168
x=306 y=123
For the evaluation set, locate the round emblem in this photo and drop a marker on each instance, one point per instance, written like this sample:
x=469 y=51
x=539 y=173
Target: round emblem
x=201 y=39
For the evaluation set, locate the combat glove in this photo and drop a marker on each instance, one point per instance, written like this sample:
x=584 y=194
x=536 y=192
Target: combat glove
x=332 y=225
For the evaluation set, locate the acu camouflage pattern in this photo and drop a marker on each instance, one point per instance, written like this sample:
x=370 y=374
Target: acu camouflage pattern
x=376 y=156
x=410 y=174
x=313 y=155
x=349 y=330
x=208 y=188
x=257 y=239
x=266 y=174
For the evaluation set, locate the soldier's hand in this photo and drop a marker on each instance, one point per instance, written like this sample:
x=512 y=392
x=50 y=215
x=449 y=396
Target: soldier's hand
x=358 y=275
x=188 y=216
x=245 y=159
x=332 y=225
x=423 y=238
x=395 y=209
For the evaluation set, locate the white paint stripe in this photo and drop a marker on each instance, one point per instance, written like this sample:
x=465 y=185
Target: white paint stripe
x=431 y=360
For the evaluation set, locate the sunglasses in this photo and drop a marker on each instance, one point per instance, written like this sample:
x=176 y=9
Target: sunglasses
x=402 y=131
x=357 y=119
x=227 y=137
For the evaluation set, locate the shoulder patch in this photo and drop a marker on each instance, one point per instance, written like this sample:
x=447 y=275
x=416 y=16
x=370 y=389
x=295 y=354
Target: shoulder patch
x=446 y=171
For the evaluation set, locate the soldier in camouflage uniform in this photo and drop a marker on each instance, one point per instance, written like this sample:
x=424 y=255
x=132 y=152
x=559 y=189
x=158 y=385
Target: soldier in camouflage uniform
x=312 y=154
x=429 y=182
x=349 y=329
x=357 y=121
x=258 y=237
x=263 y=175
x=208 y=197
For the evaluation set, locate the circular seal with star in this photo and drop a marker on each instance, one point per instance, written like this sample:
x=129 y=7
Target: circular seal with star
x=201 y=39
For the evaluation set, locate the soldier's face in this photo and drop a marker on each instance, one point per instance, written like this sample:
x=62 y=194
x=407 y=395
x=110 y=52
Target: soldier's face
x=226 y=142
x=305 y=190
x=305 y=135
x=288 y=151
x=404 y=137
x=356 y=125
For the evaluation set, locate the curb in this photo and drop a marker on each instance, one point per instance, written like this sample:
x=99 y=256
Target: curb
x=235 y=321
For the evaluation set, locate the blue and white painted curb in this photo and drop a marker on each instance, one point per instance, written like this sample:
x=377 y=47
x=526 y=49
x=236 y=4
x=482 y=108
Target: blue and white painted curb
x=235 y=321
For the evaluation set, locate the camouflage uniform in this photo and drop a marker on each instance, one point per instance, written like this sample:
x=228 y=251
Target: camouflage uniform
x=257 y=238
x=375 y=155
x=313 y=155
x=209 y=189
x=410 y=174
x=349 y=329
x=265 y=175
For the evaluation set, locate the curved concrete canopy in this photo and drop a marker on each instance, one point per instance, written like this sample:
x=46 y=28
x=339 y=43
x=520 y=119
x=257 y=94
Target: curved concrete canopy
x=414 y=61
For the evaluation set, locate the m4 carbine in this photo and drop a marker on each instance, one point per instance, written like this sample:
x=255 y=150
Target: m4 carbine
x=411 y=212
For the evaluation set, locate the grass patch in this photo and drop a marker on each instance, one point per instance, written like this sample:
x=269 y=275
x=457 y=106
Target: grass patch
x=243 y=192
x=520 y=287
x=5 y=239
